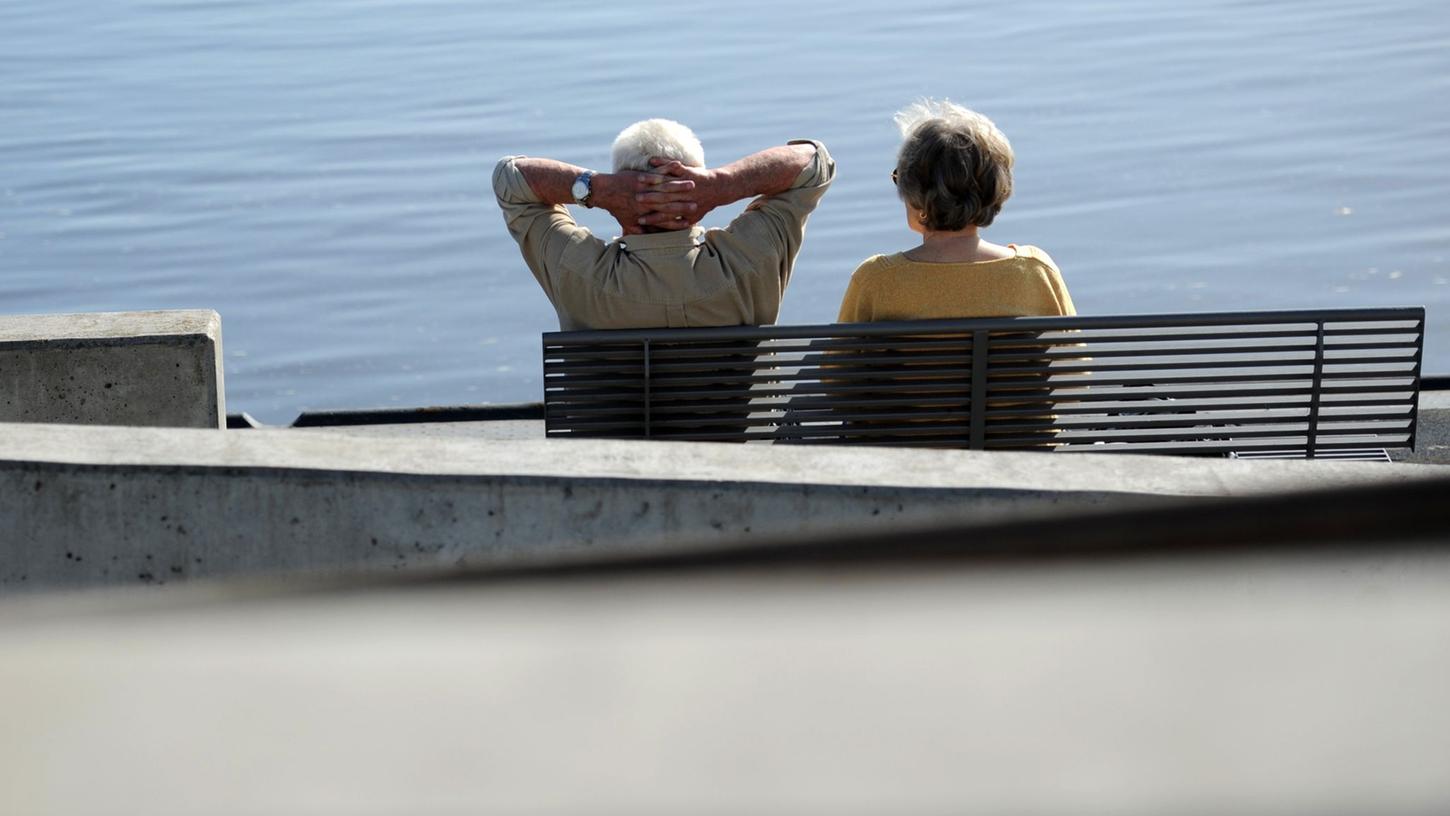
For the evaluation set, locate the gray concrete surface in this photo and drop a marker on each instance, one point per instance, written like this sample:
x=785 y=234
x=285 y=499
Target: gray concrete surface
x=1432 y=430
x=1266 y=684
x=89 y=506
x=123 y=368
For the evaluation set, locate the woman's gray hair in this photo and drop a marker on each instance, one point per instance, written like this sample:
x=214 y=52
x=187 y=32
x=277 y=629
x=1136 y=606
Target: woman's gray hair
x=665 y=138
x=954 y=165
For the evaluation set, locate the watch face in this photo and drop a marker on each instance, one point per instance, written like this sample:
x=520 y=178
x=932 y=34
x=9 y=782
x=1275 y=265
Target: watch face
x=581 y=188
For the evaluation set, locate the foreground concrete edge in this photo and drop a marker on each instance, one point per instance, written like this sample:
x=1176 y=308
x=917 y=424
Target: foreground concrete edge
x=94 y=506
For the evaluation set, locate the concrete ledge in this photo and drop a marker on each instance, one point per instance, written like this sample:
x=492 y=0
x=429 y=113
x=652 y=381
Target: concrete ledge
x=95 y=506
x=121 y=368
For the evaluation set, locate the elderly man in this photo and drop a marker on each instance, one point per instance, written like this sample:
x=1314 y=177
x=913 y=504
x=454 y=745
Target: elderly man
x=665 y=270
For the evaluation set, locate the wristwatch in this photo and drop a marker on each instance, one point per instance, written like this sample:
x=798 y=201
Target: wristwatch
x=581 y=189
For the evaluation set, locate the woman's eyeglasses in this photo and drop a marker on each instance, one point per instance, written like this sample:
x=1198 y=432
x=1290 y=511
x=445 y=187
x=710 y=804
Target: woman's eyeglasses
x=893 y=178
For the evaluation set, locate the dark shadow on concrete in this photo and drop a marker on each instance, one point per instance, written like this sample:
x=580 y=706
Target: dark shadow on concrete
x=399 y=416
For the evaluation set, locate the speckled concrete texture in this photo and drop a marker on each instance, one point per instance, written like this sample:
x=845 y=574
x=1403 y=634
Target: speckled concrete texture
x=122 y=368
x=90 y=506
x=1432 y=444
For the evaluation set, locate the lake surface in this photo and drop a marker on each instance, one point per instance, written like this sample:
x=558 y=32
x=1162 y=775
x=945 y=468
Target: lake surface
x=318 y=170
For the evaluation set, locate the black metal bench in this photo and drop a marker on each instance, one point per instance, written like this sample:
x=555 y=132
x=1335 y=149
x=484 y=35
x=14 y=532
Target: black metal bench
x=1316 y=383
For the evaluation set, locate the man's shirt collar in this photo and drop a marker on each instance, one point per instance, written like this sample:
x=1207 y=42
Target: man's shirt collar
x=663 y=240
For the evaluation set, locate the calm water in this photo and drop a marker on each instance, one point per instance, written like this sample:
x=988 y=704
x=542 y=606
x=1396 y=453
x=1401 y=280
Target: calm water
x=318 y=170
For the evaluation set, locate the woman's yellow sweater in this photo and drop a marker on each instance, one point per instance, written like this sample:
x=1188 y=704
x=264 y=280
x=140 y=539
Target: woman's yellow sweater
x=892 y=287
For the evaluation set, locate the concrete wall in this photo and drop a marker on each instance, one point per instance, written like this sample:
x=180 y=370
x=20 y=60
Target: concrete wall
x=124 y=368
x=107 y=506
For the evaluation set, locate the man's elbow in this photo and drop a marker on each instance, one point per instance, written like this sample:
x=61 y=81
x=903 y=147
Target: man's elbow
x=504 y=173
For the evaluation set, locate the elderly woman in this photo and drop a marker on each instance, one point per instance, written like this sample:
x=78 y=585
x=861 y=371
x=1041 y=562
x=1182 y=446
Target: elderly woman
x=953 y=172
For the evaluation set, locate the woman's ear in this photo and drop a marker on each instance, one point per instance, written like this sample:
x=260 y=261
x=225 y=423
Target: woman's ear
x=915 y=219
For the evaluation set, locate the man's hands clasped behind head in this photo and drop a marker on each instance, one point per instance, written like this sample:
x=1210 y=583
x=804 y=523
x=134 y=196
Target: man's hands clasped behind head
x=622 y=194
x=678 y=207
x=674 y=196
x=671 y=195
x=677 y=195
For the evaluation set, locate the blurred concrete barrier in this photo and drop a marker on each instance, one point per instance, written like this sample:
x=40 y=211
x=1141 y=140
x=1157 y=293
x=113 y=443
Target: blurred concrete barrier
x=119 y=368
x=1254 y=681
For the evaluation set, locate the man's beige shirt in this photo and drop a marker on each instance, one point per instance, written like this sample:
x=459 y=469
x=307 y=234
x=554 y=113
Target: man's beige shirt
x=695 y=277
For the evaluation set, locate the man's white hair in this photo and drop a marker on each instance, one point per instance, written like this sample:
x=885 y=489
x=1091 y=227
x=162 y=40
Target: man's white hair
x=656 y=137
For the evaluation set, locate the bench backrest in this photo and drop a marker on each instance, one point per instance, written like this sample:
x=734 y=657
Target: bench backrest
x=1314 y=382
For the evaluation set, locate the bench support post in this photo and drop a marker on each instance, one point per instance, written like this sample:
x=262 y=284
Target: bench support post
x=1415 y=369
x=1316 y=388
x=978 y=417
x=647 y=429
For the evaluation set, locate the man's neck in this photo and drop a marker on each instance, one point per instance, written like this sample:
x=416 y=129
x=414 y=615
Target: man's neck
x=647 y=229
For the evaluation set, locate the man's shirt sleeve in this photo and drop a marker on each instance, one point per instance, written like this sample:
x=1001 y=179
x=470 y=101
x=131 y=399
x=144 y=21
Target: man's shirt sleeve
x=772 y=228
x=547 y=235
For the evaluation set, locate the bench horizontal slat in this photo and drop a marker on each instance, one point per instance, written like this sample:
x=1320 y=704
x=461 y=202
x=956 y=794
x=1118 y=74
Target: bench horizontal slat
x=1055 y=394
x=1408 y=315
x=1077 y=349
x=1096 y=359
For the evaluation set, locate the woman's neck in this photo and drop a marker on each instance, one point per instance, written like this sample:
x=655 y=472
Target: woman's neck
x=958 y=246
